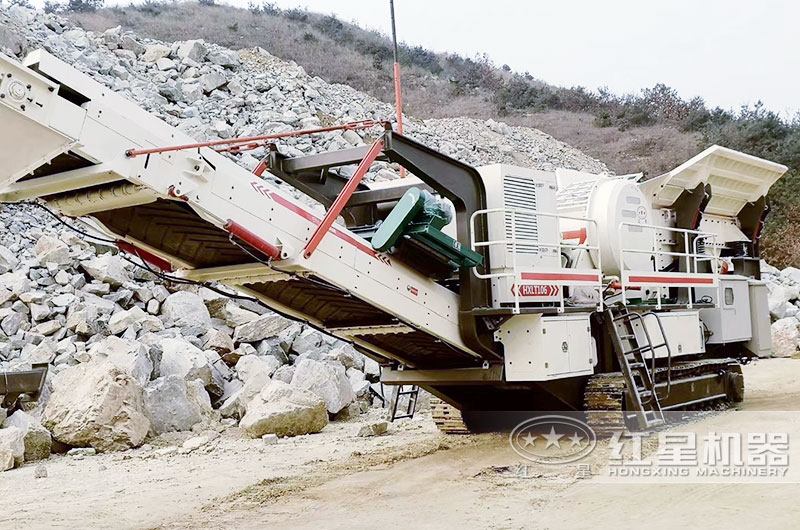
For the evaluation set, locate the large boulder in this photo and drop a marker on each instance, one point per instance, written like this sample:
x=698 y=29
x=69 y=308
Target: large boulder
x=96 y=404
x=785 y=337
x=12 y=448
x=184 y=359
x=327 y=380
x=285 y=411
x=174 y=404
x=184 y=310
x=37 y=439
x=264 y=326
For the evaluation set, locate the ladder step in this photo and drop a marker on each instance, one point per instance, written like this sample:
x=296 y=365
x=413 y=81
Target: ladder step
x=636 y=365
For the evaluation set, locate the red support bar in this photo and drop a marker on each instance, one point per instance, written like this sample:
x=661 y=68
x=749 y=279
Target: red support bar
x=579 y=234
x=267 y=248
x=149 y=257
x=241 y=143
x=344 y=196
x=260 y=168
x=398 y=101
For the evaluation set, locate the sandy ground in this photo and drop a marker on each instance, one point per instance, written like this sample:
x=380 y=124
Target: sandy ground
x=412 y=477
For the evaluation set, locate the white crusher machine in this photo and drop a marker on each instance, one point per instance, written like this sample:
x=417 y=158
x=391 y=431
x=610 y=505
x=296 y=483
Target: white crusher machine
x=497 y=288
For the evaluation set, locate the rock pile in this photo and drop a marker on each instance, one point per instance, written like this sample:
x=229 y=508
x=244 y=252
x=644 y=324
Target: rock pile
x=784 y=308
x=212 y=92
x=131 y=356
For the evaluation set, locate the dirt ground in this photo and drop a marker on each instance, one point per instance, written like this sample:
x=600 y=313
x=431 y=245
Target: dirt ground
x=412 y=477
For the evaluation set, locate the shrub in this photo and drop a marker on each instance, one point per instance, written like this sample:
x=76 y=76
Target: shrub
x=83 y=6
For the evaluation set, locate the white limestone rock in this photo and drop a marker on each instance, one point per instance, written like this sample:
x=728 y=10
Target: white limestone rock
x=96 y=404
x=284 y=410
x=328 y=381
x=785 y=337
x=265 y=326
x=184 y=309
x=37 y=439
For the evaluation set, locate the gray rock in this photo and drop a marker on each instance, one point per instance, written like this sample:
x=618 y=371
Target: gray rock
x=122 y=320
x=165 y=63
x=308 y=340
x=223 y=57
x=185 y=360
x=285 y=373
x=265 y=326
x=127 y=355
x=347 y=355
x=284 y=410
x=372 y=429
x=12 y=322
x=51 y=250
x=96 y=404
x=154 y=52
x=193 y=49
x=36 y=439
x=184 y=309
x=8 y=261
x=107 y=268
x=12 y=448
x=218 y=341
x=127 y=42
x=169 y=407
x=328 y=381
x=212 y=81
x=251 y=365
x=785 y=337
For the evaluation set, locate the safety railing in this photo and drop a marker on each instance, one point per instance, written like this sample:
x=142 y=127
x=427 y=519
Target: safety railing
x=560 y=277
x=691 y=254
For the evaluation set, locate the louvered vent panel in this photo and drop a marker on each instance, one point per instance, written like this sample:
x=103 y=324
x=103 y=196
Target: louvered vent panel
x=520 y=192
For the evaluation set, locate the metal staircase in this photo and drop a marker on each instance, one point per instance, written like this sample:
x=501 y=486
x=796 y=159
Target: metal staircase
x=632 y=344
x=411 y=393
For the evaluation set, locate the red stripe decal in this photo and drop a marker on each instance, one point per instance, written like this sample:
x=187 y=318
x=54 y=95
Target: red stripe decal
x=559 y=276
x=657 y=279
x=305 y=214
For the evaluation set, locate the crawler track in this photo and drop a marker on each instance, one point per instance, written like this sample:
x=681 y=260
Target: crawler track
x=604 y=397
x=447 y=418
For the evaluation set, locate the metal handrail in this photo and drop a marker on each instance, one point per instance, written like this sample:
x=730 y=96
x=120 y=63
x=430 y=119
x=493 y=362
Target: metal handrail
x=692 y=258
x=514 y=241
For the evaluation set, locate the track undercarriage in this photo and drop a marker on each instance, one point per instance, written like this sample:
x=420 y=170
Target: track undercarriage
x=693 y=385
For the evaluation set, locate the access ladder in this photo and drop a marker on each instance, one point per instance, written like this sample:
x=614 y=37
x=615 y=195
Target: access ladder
x=631 y=350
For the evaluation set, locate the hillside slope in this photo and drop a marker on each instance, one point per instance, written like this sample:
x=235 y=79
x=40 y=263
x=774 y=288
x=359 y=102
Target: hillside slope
x=434 y=85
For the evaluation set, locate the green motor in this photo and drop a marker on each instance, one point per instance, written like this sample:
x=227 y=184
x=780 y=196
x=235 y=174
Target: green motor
x=420 y=216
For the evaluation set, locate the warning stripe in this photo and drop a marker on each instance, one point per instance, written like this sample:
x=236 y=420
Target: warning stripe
x=556 y=276
x=669 y=280
x=305 y=214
